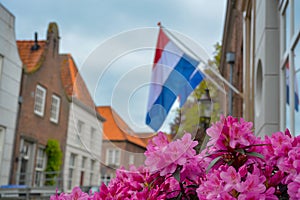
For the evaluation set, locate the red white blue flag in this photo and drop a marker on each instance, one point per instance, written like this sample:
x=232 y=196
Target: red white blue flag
x=174 y=74
x=287 y=74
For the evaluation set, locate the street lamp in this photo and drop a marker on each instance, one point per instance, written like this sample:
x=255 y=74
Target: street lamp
x=204 y=104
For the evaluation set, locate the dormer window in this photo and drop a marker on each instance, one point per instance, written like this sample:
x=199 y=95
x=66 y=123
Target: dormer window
x=55 y=105
x=40 y=100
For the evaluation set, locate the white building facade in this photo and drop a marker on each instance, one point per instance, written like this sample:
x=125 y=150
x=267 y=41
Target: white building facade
x=83 y=150
x=10 y=78
x=271 y=32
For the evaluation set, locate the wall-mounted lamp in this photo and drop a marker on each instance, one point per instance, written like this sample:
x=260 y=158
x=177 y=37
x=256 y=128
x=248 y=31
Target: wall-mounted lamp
x=230 y=59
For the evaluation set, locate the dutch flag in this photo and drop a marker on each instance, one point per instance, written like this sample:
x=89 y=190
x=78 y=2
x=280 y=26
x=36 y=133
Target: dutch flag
x=174 y=74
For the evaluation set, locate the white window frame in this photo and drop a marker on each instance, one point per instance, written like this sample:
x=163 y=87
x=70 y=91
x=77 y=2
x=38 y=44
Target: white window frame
x=131 y=159
x=54 y=112
x=114 y=158
x=80 y=126
x=92 y=138
x=1 y=65
x=43 y=90
x=2 y=137
x=40 y=170
x=287 y=55
x=71 y=172
x=92 y=171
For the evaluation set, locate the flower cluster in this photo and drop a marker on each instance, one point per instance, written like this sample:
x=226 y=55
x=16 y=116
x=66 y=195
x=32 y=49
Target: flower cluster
x=235 y=165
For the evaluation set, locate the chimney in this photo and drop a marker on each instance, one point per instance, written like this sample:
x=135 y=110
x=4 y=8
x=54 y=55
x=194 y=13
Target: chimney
x=36 y=46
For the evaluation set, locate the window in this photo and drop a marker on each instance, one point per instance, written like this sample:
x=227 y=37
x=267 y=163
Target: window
x=71 y=170
x=297 y=15
x=40 y=100
x=296 y=88
x=40 y=167
x=83 y=161
x=54 y=112
x=1 y=63
x=27 y=158
x=92 y=171
x=105 y=179
x=290 y=107
x=2 y=133
x=93 y=137
x=131 y=159
x=287 y=27
x=113 y=157
x=80 y=125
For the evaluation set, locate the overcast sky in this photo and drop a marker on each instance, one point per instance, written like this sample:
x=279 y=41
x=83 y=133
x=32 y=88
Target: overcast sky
x=112 y=42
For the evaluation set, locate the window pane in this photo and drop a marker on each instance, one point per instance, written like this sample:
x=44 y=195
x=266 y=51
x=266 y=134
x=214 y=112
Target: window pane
x=55 y=105
x=92 y=165
x=297 y=83
x=297 y=113
x=117 y=157
x=287 y=107
x=70 y=178
x=83 y=162
x=2 y=133
x=297 y=15
x=39 y=103
x=131 y=159
x=80 y=126
x=110 y=156
x=287 y=26
x=93 y=137
x=72 y=160
x=40 y=159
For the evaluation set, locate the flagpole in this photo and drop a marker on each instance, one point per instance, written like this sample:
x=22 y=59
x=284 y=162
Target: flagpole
x=213 y=70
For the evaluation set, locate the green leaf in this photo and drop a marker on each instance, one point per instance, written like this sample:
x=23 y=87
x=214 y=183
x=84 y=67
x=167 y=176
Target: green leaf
x=242 y=151
x=255 y=154
x=213 y=162
x=176 y=174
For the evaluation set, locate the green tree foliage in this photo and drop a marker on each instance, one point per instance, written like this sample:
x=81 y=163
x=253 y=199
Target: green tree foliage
x=54 y=162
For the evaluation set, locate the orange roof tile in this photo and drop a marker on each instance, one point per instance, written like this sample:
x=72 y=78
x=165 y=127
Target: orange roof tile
x=116 y=129
x=73 y=82
x=32 y=59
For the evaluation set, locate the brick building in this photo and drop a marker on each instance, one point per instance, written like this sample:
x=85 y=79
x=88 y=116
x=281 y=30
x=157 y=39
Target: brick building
x=56 y=104
x=233 y=43
x=44 y=107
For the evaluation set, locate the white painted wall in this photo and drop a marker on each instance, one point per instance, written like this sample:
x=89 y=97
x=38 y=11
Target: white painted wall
x=91 y=147
x=10 y=76
x=267 y=53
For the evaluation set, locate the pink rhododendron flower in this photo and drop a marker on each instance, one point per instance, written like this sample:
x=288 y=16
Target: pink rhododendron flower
x=165 y=157
x=294 y=188
x=235 y=165
x=229 y=133
x=231 y=178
